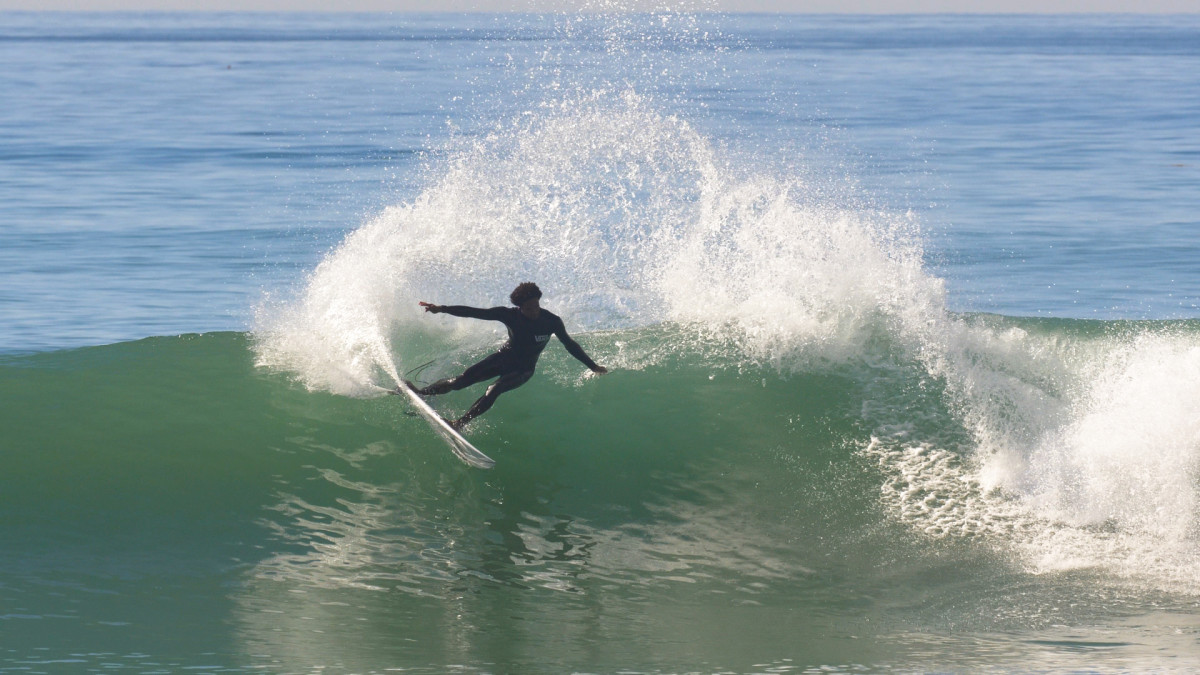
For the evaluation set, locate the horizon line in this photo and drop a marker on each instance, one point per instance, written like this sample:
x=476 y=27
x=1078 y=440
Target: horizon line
x=777 y=12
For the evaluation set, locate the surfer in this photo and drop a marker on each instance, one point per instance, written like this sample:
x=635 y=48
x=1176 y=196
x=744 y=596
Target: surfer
x=529 y=330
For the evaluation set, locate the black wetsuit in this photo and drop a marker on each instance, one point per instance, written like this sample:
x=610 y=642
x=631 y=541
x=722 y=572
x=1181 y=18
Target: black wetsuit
x=515 y=362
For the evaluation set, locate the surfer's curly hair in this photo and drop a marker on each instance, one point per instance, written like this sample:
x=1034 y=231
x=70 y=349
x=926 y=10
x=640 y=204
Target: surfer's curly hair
x=524 y=292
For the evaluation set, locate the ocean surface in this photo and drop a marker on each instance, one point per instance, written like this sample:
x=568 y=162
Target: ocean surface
x=902 y=314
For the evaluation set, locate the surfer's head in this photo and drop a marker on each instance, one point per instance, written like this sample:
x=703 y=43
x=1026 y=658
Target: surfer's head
x=525 y=292
x=526 y=297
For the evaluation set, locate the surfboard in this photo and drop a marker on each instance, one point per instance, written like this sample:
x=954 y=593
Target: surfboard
x=460 y=446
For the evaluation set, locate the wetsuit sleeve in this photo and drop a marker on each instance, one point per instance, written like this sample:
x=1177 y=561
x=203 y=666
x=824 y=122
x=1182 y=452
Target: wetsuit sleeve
x=573 y=347
x=492 y=314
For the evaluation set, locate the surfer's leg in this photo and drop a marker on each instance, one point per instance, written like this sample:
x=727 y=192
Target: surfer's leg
x=507 y=382
x=439 y=387
x=484 y=370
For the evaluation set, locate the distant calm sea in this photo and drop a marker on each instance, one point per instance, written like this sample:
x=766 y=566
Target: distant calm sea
x=903 y=314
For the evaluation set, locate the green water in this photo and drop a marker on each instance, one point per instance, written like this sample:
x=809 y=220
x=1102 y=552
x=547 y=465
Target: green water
x=167 y=505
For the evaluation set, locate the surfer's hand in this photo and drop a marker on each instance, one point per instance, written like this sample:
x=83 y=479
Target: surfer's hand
x=430 y=307
x=600 y=370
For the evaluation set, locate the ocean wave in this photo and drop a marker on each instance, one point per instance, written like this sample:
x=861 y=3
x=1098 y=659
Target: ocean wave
x=662 y=252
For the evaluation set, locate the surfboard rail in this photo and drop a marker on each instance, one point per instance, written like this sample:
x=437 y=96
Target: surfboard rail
x=460 y=446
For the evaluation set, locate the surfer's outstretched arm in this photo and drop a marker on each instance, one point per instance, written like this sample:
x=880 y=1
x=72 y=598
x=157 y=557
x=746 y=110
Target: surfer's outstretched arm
x=575 y=350
x=491 y=314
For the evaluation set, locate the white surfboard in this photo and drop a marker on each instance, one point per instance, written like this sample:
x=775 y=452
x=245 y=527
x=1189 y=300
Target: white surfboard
x=460 y=446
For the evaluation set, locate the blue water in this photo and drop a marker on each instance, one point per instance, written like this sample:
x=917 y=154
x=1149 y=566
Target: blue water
x=161 y=171
x=903 y=314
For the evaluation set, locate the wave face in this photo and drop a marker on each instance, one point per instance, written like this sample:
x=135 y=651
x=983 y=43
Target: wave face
x=1045 y=477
